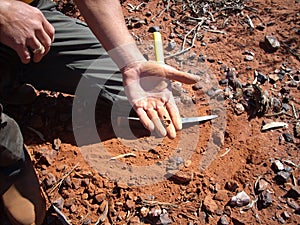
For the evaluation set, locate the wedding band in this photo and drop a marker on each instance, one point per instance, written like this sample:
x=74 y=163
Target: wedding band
x=38 y=50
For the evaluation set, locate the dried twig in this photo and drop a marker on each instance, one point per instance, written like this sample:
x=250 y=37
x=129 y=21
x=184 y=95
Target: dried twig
x=123 y=156
x=59 y=182
x=183 y=49
x=295 y=113
x=62 y=218
x=103 y=215
x=225 y=153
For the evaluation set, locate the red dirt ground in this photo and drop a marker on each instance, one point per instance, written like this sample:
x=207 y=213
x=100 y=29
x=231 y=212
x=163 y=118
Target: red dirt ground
x=240 y=153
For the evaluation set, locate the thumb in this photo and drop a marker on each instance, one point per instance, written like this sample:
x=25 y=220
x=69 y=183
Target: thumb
x=183 y=77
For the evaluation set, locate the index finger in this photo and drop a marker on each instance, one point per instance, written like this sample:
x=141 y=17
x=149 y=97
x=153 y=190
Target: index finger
x=174 y=74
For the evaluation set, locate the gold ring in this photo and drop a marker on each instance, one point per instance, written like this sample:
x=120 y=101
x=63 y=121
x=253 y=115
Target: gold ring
x=38 y=50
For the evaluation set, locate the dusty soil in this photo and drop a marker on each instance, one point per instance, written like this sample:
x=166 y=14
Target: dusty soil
x=226 y=156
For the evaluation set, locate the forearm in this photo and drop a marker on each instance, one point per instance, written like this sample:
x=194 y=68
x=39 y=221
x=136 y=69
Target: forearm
x=106 y=20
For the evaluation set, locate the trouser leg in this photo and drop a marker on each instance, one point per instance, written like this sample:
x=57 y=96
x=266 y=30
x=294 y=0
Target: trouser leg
x=76 y=55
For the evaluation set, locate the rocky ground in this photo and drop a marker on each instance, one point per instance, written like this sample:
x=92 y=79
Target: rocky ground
x=241 y=168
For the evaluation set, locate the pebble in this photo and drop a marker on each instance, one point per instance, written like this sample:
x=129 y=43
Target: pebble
x=180 y=176
x=224 y=82
x=59 y=203
x=262 y=185
x=211 y=60
x=134 y=221
x=292 y=203
x=282 y=177
x=262 y=78
x=260 y=27
x=231 y=185
x=241 y=199
x=288 y=137
x=209 y=204
x=221 y=195
x=176 y=88
x=201 y=58
x=144 y=211
x=294 y=192
x=164 y=219
x=248 y=58
x=171 y=45
x=273 y=78
x=197 y=86
x=50 y=180
x=272 y=43
x=239 y=108
x=297 y=130
x=265 y=198
x=285 y=215
x=277 y=166
x=223 y=220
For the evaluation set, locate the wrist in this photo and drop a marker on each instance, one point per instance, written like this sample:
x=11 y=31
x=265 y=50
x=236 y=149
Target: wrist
x=126 y=55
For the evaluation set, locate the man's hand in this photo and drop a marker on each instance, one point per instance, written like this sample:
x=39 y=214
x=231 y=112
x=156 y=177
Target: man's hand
x=147 y=86
x=25 y=29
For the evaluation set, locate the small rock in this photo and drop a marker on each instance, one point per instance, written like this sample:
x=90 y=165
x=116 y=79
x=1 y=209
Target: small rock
x=155 y=211
x=85 y=196
x=294 y=192
x=221 y=195
x=187 y=163
x=223 y=82
x=144 y=211
x=286 y=107
x=239 y=109
x=56 y=144
x=273 y=78
x=73 y=208
x=231 y=185
x=260 y=27
x=50 y=180
x=292 y=203
x=201 y=58
x=285 y=215
x=288 y=137
x=197 y=86
x=297 y=130
x=59 y=203
x=186 y=99
x=100 y=197
x=249 y=58
x=282 y=177
x=262 y=78
x=180 y=176
x=130 y=204
x=211 y=60
x=164 y=219
x=277 y=166
x=148 y=14
x=176 y=88
x=223 y=220
x=272 y=43
x=171 y=45
x=241 y=199
x=297 y=31
x=262 y=185
x=265 y=199
x=209 y=204
x=134 y=221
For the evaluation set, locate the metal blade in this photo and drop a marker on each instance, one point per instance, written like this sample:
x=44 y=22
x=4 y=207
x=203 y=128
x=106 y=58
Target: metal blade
x=186 y=120
x=197 y=119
